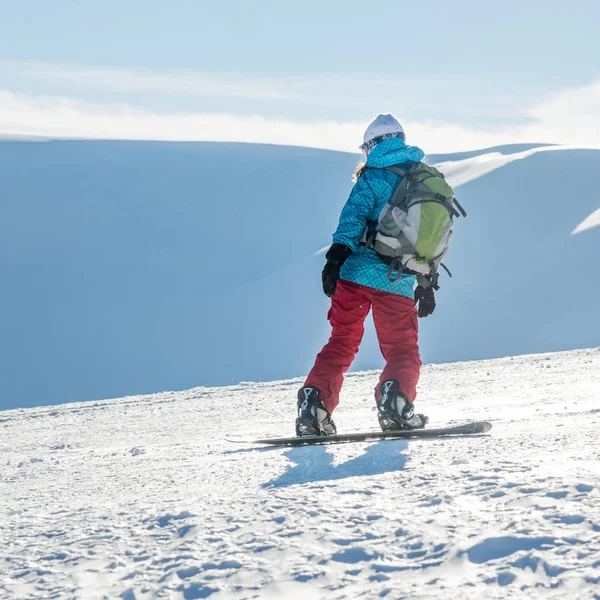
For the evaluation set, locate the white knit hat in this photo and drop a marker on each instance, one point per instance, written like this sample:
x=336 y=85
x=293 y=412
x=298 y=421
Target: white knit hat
x=383 y=127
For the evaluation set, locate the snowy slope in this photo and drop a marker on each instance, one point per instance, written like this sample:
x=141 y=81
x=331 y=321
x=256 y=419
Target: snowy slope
x=141 y=497
x=135 y=267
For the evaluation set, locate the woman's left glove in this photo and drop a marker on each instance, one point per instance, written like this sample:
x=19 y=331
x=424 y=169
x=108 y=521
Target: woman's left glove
x=336 y=256
x=425 y=298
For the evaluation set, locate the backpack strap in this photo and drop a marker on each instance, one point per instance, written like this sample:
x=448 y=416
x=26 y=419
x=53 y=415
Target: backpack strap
x=395 y=265
x=399 y=170
x=432 y=280
x=368 y=237
x=403 y=187
x=462 y=210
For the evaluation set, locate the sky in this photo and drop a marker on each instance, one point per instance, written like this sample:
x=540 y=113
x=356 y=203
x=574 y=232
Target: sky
x=459 y=75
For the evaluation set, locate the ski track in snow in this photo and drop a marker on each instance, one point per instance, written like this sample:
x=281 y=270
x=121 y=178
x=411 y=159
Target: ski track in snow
x=141 y=497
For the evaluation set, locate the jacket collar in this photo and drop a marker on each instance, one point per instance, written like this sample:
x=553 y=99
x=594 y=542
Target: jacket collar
x=393 y=151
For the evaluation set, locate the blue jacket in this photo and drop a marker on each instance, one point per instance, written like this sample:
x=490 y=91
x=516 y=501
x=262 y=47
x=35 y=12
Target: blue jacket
x=367 y=198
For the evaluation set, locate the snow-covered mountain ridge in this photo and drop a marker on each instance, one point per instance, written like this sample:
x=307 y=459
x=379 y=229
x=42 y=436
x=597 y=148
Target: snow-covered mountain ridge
x=141 y=497
x=117 y=277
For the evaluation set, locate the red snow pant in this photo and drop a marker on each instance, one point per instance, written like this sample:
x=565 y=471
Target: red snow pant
x=395 y=319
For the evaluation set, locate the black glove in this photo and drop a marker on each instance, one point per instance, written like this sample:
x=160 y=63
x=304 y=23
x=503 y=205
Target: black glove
x=425 y=298
x=336 y=256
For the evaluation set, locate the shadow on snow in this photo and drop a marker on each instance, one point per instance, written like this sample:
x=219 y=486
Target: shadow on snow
x=314 y=463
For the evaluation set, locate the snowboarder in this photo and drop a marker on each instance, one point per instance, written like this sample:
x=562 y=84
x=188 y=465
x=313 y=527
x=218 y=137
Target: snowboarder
x=357 y=280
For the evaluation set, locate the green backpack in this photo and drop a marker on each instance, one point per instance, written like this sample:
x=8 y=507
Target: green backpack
x=414 y=229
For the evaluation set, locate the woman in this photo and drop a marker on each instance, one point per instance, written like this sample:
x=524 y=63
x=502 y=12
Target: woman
x=357 y=281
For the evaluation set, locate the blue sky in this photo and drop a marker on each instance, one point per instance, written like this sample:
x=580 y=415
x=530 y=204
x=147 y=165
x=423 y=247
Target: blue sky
x=459 y=74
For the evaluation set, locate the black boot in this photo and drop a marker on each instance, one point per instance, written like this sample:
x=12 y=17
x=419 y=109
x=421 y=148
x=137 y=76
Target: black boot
x=312 y=419
x=396 y=411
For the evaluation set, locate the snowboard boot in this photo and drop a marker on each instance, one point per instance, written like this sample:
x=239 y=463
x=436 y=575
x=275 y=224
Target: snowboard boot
x=312 y=419
x=396 y=411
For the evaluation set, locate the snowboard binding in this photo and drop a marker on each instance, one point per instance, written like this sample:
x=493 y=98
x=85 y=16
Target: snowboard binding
x=313 y=419
x=395 y=411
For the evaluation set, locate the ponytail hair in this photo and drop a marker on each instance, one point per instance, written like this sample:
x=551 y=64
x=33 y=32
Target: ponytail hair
x=361 y=168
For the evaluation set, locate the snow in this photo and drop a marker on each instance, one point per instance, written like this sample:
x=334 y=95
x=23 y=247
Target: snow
x=141 y=497
x=117 y=279
x=462 y=171
x=588 y=223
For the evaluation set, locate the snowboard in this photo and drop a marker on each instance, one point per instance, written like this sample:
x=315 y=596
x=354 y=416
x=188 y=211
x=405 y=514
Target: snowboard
x=368 y=436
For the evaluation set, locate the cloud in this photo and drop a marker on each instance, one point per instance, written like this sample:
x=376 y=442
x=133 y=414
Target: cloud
x=570 y=117
x=333 y=91
x=574 y=105
x=70 y=118
x=173 y=82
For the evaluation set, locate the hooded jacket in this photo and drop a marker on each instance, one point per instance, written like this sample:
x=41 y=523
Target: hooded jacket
x=368 y=197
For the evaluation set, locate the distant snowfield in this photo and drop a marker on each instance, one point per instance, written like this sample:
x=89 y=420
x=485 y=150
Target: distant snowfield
x=75 y=308
x=590 y=222
x=461 y=172
x=141 y=497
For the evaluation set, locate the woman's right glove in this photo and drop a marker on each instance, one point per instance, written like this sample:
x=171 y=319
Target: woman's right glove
x=425 y=298
x=336 y=256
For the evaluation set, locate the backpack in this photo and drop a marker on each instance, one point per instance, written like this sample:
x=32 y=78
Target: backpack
x=414 y=229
